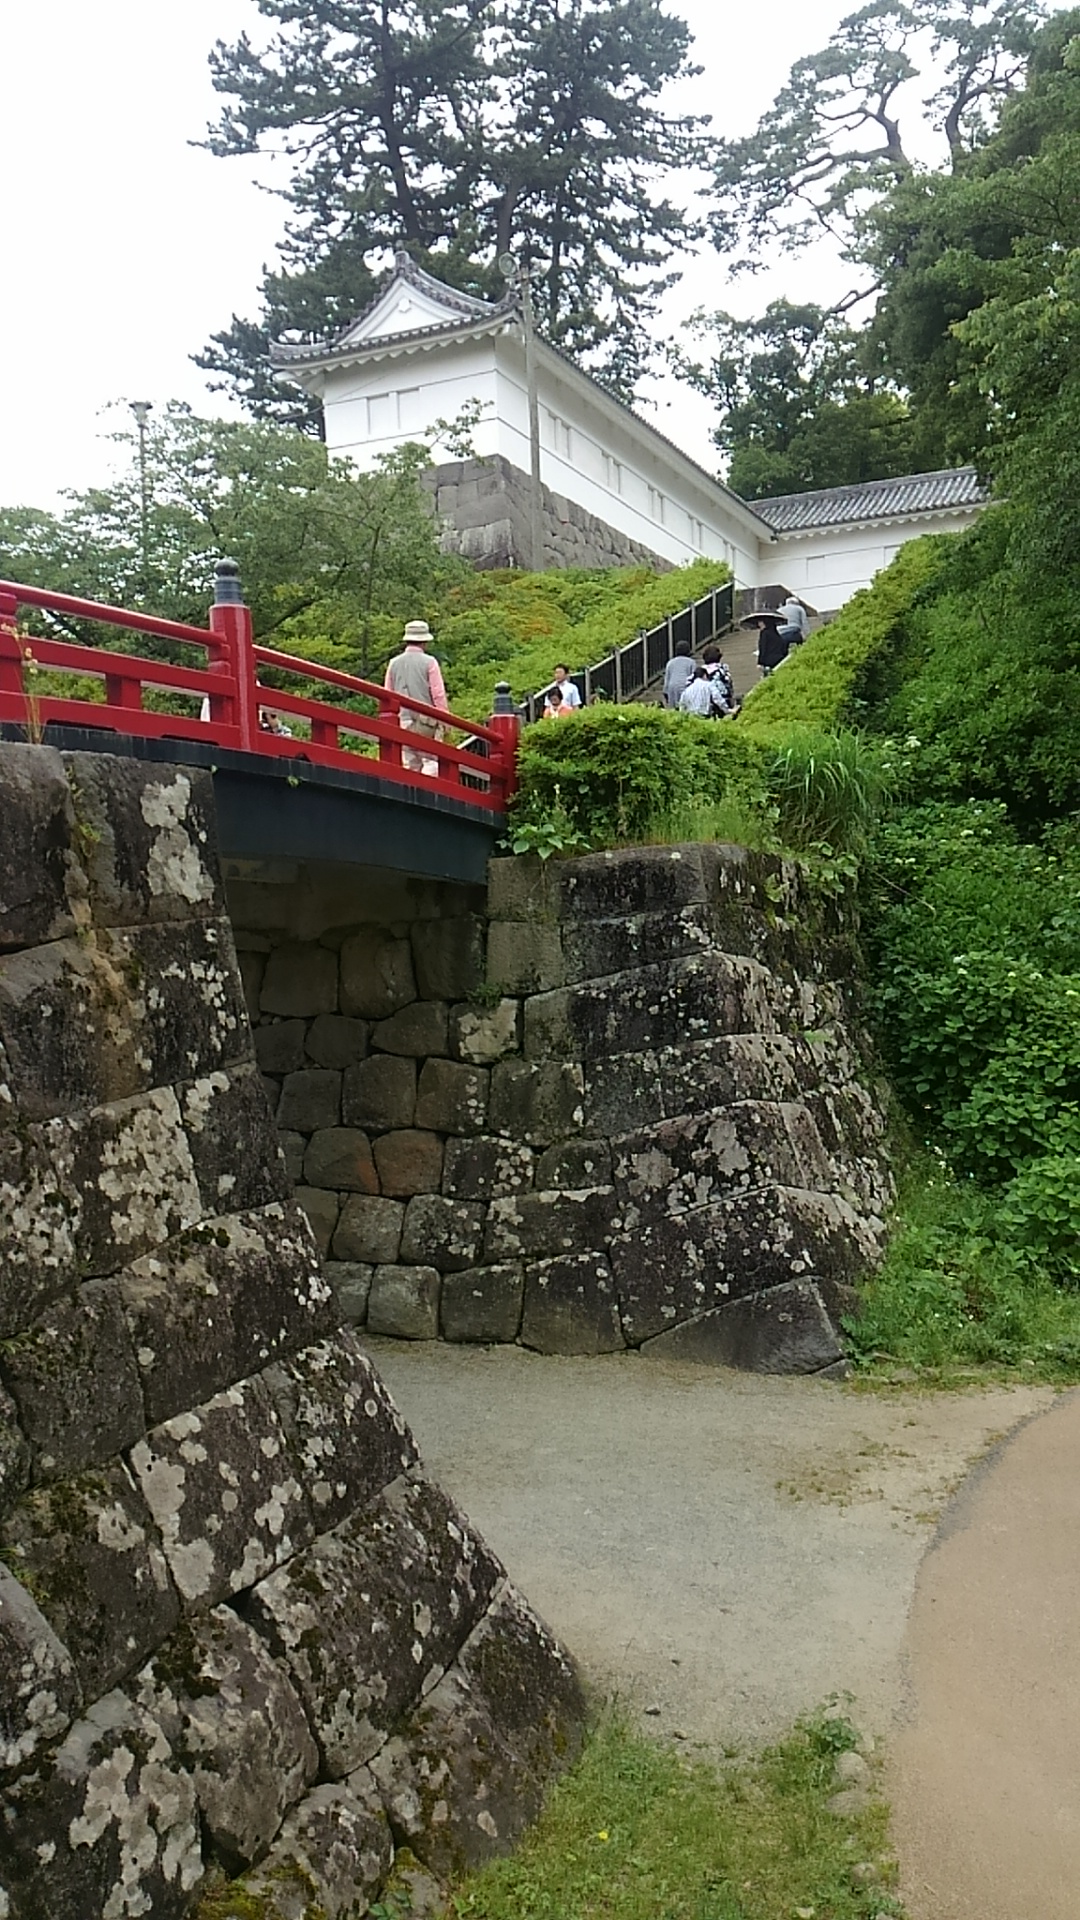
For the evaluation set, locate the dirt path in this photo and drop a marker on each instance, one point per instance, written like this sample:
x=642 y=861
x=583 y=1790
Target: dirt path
x=728 y=1549
x=985 y=1774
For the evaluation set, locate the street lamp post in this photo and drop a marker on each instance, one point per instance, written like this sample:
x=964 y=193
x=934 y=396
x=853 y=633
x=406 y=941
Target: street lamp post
x=519 y=277
x=141 y=409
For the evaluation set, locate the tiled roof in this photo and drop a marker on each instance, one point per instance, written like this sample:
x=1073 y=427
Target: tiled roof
x=873 y=500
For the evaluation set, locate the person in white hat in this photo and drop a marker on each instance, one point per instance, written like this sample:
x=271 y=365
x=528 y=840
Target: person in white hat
x=416 y=674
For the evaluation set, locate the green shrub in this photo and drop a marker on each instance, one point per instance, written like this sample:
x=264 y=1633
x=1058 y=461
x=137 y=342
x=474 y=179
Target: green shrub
x=615 y=774
x=818 y=683
x=1041 y=1210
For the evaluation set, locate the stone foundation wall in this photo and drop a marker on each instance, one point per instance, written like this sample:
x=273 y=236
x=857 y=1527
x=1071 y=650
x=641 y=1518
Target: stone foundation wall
x=485 y=505
x=626 y=1106
x=247 y=1649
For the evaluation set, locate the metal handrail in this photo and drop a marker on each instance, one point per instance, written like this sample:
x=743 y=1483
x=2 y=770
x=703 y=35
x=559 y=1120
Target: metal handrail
x=628 y=670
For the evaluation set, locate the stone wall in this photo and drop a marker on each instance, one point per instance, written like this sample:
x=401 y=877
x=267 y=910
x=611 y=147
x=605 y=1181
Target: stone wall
x=626 y=1106
x=247 y=1650
x=485 y=506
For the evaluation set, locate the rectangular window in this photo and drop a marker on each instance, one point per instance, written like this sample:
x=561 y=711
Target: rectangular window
x=613 y=474
x=411 y=411
x=382 y=414
x=657 y=506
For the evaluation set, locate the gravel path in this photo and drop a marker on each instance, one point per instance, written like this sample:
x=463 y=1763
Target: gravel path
x=723 y=1551
x=984 y=1775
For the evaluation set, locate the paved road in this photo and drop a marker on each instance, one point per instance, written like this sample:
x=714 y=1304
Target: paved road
x=985 y=1773
x=730 y=1549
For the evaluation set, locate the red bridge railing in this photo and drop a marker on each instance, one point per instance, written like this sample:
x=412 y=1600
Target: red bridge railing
x=479 y=770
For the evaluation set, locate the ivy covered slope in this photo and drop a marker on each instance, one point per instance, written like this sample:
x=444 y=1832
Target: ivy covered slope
x=961 y=675
x=518 y=626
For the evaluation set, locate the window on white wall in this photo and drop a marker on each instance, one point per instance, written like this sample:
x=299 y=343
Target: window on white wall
x=613 y=474
x=411 y=410
x=697 y=533
x=558 y=436
x=382 y=414
x=657 y=506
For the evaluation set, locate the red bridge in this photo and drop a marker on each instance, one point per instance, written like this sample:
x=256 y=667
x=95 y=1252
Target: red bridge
x=337 y=787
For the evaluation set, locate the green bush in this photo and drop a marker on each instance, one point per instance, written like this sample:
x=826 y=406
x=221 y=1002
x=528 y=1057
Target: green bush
x=1041 y=1210
x=614 y=774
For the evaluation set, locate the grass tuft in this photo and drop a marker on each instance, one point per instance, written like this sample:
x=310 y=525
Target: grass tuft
x=636 y=1832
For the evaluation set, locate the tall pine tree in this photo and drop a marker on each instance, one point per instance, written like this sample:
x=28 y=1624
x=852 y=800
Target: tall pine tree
x=458 y=129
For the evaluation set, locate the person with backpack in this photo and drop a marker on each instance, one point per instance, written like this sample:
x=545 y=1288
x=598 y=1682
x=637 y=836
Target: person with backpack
x=725 y=704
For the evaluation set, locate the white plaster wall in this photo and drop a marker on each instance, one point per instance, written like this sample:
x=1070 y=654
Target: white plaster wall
x=828 y=566
x=373 y=409
x=596 y=459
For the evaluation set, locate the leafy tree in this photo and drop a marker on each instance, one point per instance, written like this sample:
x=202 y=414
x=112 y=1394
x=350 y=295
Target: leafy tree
x=799 y=407
x=331 y=560
x=832 y=143
x=458 y=128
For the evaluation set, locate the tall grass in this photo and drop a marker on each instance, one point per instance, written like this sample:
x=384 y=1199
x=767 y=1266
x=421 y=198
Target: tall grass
x=827 y=788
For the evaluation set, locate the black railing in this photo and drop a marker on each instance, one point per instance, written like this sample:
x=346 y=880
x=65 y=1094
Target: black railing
x=629 y=670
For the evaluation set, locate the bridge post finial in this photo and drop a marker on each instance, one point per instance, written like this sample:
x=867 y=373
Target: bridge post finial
x=506 y=722
x=234 y=659
x=227 y=589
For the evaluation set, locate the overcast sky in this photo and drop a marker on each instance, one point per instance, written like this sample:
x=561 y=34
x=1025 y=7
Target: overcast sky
x=125 y=247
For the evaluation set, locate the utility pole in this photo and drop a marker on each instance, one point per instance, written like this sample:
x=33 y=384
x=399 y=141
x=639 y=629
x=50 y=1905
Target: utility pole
x=141 y=409
x=519 y=277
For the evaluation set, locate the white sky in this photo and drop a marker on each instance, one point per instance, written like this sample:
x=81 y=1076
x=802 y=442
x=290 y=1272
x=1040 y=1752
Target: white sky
x=125 y=247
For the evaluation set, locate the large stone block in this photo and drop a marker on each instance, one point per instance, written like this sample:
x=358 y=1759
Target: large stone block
x=310 y=1100
x=235 y=1725
x=323 y=1210
x=570 y=1306
x=594 y=949
x=344 y=1432
x=370 y=1229
x=655 y=1007
x=42 y=887
x=484 y=1168
x=380 y=1094
x=221 y=1483
x=524 y=956
x=404 y=1303
x=414 y=1031
x=87 y=1551
x=351 y=1282
x=376 y=974
x=127 y=1175
x=67 y=1028
x=414 y=1580
x=483 y=1303
x=522 y=887
x=108 y=1826
x=575 y=1163
x=633 y=880
x=442 y=1233
x=452 y=1097
x=182 y=985
x=74 y=1382
x=678 y=1267
x=279 y=1045
x=147 y=836
x=470 y=1770
x=482 y=1035
x=338 y=1841
x=301 y=980
x=696 y=1161
x=335 y=1040
x=340 y=1157
x=622 y=1092
x=449 y=956
x=220 y=1301
x=706 y=1074
x=539 y=1101
x=409 y=1162
x=233 y=1140
x=544 y=1224
x=783 y=1330
x=39 y=1691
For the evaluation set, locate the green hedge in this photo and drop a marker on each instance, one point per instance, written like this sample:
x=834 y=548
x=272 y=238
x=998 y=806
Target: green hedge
x=819 y=680
x=614 y=774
